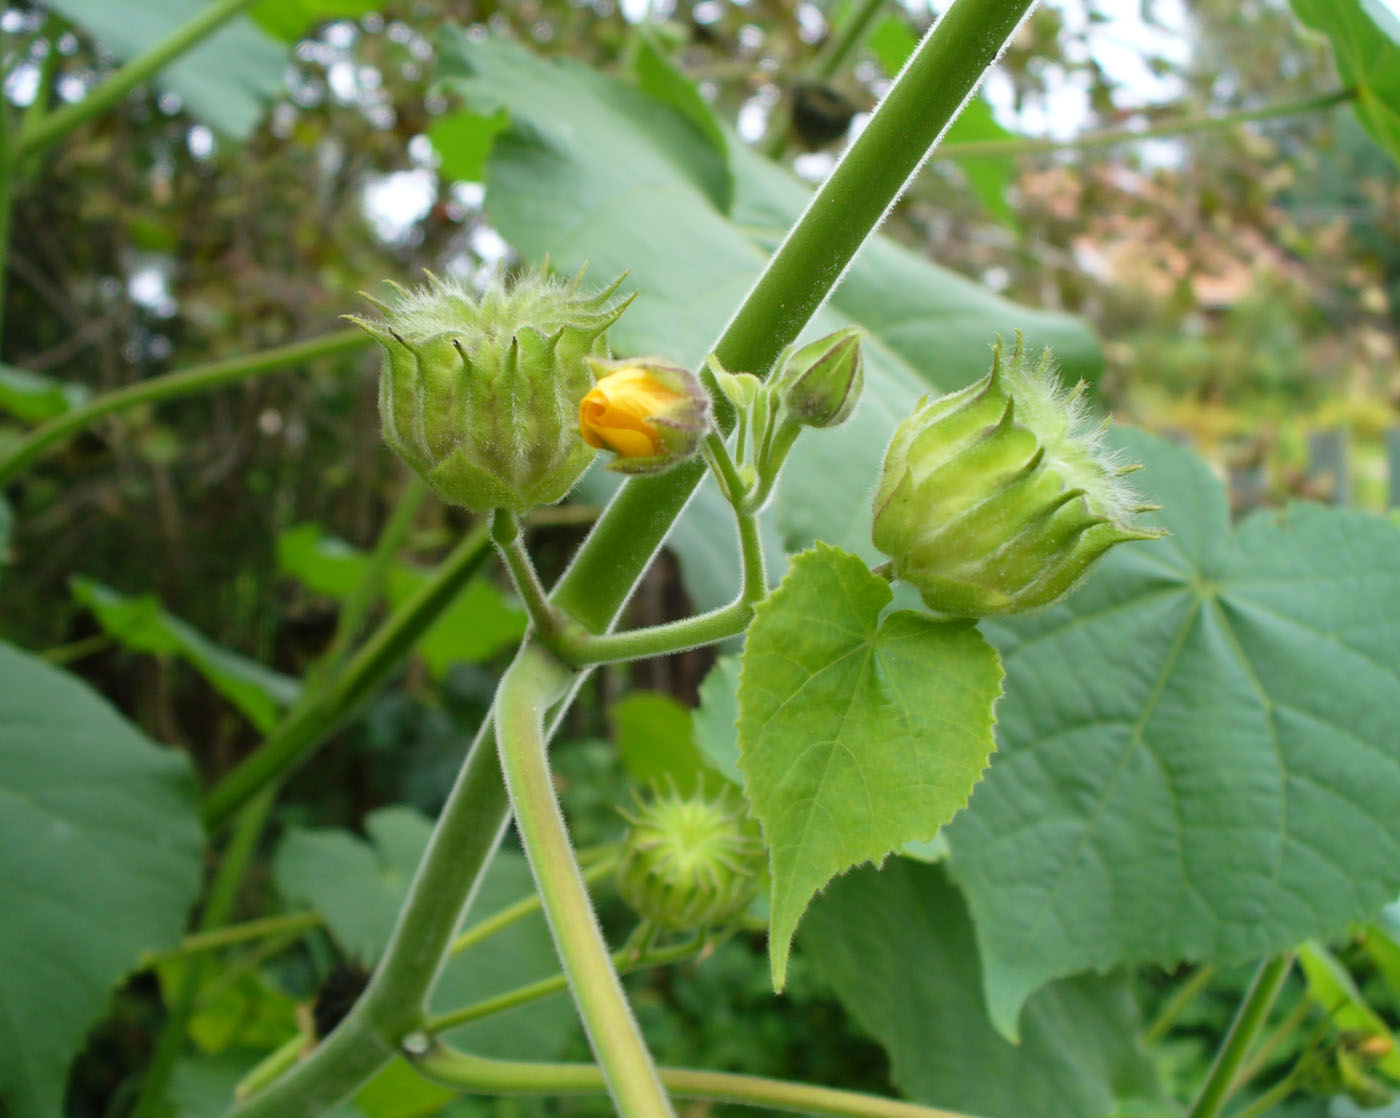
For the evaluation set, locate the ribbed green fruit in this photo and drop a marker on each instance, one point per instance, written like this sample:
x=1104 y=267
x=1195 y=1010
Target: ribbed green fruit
x=688 y=863
x=480 y=390
x=1000 y=497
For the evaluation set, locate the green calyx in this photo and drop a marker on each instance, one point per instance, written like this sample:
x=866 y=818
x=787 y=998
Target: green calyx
x=1000 y=497
x=820 y=384
x=688 y=863
x=480 y=390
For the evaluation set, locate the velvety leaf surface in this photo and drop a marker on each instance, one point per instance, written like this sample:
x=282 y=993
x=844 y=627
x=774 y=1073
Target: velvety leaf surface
x=655 y=738
x=225 y=81
x=139 y=624
x=359 y=886
x=595 y=171
x=898 y=949
x=716 y=718
x=99 y=863
x=1366 y=37
x=856 y=734
x=1197 y=751
x=477 y=625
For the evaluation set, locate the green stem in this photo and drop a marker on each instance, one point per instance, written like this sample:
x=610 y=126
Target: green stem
x=295 y=738
x=945 y=69
x=274 y=1064
x=841 y=46
x=144 y=66
x=199 y=942
x=216 y=909
x=1270 y=1099
x=623 y=961
x=525 y=692
x=1181 y=997
x=580 y=647
x=356 y=607
x=522 y=908
x=199 y=378
x=480 y=1075
x=1182 y=126
x=505 y=533
x=1269 y=1045
x=1244 y=1030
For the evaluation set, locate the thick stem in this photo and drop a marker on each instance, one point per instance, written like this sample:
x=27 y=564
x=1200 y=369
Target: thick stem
x=627 y=535
x=480 y=1075
x=1112 y=137
x=295 y=738
x=200 y=378
x=528 y=687
x=144 y=66
x=1244 y=1030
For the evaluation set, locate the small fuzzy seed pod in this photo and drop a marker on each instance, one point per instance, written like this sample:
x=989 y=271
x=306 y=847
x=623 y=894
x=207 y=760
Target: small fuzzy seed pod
x=820 y=384
x=1000 y=497
x=479 y=391
x=650 y=413
x=688 y=863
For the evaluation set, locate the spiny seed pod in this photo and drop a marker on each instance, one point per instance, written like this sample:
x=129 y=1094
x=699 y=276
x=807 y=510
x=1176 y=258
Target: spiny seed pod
x=479 y=391
x=820 y=384
x=688 y=863
x=650 y=413
x=1000 y=497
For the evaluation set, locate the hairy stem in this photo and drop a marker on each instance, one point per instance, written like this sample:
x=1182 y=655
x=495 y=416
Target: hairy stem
x=480 y=1075
x=187 y=382
x=1181 y=997
x=56 y=125
x=1244 y=1030
x=528 y=687
x=1112 y=137
x=944 y=71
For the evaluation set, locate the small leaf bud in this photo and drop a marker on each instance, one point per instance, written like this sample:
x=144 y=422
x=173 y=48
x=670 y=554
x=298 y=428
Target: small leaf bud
x=1000 y=497
x=820 y=383
x=650 y=413
x=479 y=390
x=688 y=863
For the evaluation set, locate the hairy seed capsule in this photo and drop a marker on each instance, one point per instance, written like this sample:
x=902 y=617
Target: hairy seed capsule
x=480 y=391
x=688 y=863
x=1000 y=497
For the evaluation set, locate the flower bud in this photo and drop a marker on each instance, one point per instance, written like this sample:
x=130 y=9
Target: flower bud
x=478 y=391
x=651 y=414
x=688 y=864
x=1000 y=497
x=820 y=383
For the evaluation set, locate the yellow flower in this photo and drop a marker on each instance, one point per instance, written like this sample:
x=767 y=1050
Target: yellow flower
x=649 y=413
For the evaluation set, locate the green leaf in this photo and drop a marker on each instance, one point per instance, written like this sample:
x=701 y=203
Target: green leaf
x=359 y=886
x=897 y=947
x=99 y=864
x=225 y=81
x=988 y=177
x=463 y=140
x=289 y=20
x=399 y=1091
x=233 y=1009
x=140 y=625
x=1365 y=35
x=656 y=740
x=716 y=730
x=658 y=77
x=476 y=626
x=856 y=734
x=892 y=43
x=592 y=171
x=32 y=398
x=1197 y=752
x=1331 y=988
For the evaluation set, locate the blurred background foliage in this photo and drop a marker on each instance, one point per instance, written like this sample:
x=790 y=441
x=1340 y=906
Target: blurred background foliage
x=1244 y=284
